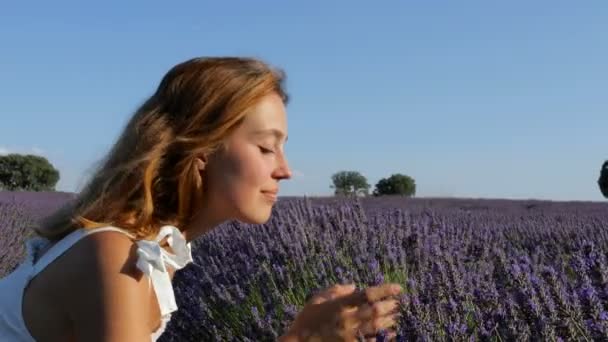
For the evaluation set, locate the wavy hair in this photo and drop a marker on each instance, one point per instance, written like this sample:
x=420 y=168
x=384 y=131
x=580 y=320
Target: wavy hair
x=149 y=177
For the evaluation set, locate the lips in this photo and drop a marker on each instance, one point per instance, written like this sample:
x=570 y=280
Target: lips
x=271 y=194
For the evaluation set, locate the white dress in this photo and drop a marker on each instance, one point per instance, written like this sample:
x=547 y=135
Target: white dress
x=152 y=261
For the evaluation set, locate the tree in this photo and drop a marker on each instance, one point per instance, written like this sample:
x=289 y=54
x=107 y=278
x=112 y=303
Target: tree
x=27 y=172
x=349 y=183
x=603 y=180
x=396 y=184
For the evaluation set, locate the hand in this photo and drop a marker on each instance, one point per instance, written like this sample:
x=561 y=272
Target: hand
x=340 y=314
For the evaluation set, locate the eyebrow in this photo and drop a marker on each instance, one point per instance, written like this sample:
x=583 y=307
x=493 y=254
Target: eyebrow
x=273 y=131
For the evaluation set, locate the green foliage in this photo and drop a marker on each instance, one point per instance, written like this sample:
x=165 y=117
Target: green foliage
x=349 y=183
x=27 y=172
x=396 y=184
x=603 y=180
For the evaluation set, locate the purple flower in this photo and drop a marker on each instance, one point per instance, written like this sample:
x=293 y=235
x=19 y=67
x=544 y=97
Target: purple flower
x=509 y=269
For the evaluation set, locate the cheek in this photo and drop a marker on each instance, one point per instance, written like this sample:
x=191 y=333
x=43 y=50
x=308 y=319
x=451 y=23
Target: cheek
x=248 y=177
x=243 y=177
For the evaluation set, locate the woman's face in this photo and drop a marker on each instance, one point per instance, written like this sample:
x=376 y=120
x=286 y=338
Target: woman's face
x=242 y=180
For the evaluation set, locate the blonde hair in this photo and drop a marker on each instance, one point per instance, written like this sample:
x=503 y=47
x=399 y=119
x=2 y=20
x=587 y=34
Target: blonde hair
x=149 y=177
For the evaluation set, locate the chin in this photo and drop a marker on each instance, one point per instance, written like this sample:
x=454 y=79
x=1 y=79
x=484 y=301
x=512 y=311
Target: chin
x=259 y=216
x=256 y=211
x=256 y=220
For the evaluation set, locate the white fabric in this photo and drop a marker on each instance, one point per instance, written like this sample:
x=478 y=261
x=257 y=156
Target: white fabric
x=152 y=260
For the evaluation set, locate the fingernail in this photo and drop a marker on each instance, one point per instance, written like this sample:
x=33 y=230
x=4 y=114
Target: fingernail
x=396 y=289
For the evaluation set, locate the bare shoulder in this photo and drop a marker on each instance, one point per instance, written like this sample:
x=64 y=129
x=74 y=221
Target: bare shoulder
x=108 y=250
x=106 y=296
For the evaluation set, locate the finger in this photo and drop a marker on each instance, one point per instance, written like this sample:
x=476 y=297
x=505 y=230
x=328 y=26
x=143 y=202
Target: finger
x=378 y=309
x=349 y=319
x=369 y=295
x=375 y=325
x=342 y=290
x=333 y=293
x=379 y=292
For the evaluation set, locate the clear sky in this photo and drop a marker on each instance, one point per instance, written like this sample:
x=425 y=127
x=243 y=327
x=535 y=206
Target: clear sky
x=481 y=99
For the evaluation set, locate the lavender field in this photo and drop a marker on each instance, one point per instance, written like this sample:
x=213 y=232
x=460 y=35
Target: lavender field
x=472 y=270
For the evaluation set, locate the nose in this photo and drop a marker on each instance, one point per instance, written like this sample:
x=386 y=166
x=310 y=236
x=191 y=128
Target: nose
x=283 y=171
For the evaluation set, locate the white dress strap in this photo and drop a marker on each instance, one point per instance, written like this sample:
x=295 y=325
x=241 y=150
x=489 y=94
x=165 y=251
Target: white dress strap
x=62 y=246
x=152 y=260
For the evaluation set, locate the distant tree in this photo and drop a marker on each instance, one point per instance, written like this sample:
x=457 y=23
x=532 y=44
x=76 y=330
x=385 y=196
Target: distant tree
x=396 y=184
x=27 y=172
x=603 y=180
x=349 y=183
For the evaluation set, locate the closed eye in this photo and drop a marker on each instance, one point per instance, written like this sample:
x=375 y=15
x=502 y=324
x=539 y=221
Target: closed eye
x=265 y=150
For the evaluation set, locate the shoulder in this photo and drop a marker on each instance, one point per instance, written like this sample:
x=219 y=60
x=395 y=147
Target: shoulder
x=108 y=250
x=105 y=293
x=103 y=256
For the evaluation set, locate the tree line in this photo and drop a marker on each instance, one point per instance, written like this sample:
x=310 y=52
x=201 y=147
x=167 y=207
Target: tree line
x=19 y=172
x=353 y=183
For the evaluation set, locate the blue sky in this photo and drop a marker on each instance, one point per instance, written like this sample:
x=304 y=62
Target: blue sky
x=470 y=98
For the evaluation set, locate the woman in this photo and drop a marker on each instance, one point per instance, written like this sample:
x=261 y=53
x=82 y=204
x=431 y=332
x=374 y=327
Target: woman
x=206 y=147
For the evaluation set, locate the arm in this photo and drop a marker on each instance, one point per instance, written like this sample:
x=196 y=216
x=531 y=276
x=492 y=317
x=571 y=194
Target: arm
x=110 y=301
